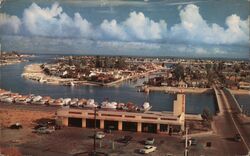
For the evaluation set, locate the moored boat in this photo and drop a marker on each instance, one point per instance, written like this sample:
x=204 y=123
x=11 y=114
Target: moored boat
x=108 y=105
x=91 y=103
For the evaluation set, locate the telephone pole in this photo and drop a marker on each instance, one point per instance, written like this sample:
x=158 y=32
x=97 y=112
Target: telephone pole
x=186 y=143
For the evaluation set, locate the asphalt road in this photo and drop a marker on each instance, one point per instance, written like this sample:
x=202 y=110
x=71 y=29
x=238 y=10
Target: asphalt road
x=226 y=128
x=236 y=114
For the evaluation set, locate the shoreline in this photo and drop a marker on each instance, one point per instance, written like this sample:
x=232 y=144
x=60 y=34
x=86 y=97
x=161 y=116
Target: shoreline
x=182 y=90
x=21 y=59
x=13 y=62
x=34 y=72
x=240 y=92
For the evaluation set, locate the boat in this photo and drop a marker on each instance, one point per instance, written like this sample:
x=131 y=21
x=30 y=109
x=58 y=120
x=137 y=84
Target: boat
x=72 y=84
x=8 y=99
x=108 y=105
x=82 y=102
x=120 y=106
x=74 y=102
x=145 y=107
x=37 y=99
x=51 y=101
x=66 y=101
x=57 y=102
x=42 y=80
x=22 y=99
x=91 y=103
x=44 y=100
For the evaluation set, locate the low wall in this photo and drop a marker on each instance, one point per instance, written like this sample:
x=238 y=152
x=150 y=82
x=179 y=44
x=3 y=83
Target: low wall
x=219 y=102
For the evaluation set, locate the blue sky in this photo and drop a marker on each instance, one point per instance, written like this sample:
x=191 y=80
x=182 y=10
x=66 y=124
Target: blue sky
x=118 y=27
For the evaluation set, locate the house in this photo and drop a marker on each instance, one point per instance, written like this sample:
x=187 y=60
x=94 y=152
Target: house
x=244 y=85
x=182 y=84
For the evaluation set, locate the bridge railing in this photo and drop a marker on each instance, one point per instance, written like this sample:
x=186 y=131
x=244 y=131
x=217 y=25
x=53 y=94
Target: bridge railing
x=236 y=102
x=218 y=99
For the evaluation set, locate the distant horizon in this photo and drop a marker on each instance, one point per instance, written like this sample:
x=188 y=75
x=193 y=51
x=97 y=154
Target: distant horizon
x=139 y=56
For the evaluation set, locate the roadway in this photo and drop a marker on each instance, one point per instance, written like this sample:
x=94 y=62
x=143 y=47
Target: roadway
x=228 y=124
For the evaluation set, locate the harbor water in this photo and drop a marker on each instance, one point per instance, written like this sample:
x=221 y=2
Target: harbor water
x=11 y=79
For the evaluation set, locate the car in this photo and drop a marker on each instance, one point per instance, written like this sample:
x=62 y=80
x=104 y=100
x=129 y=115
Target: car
x=237 y=137
x=44 y=130
x=16 y=126
x=40 y=125
x=107 y=130
x=99 y=135
x=192 y=142
x=147 y=149
x=149 y=141
x=125 y=139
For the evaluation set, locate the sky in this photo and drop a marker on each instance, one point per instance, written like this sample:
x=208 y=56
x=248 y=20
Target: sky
x=213 y=28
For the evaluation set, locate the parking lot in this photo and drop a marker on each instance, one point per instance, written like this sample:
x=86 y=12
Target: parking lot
x=73 y=141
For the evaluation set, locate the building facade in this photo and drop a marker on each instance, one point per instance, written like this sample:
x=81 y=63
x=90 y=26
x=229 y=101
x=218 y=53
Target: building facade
x=151 y=121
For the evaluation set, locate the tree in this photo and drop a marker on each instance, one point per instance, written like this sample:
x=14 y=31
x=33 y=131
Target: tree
x=179 y=72
x=120 y=63
x=207 y=115
x=97 y=62
x=208 y=67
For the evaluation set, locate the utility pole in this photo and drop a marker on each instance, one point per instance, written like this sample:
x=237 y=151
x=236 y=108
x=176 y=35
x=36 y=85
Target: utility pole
x=186 y=143
x=94 y=151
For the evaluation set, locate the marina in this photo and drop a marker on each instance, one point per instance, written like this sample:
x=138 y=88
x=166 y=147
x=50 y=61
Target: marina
x=125 y=92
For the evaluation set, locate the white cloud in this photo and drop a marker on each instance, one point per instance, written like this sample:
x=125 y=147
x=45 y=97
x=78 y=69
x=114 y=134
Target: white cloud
x=111 y=29
x=54 y=22
x=135 y=27
x=9 y=24
x=195 y=29
x=140 y=27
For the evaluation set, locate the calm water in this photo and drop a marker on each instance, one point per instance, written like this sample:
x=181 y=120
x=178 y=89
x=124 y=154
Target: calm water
x=10 y=79
x=243 y=100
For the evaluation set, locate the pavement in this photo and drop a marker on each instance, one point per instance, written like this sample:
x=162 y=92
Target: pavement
x=227 y=125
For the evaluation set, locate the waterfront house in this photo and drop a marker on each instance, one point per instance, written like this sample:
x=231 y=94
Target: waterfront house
x=182 y=84
x=244 y=85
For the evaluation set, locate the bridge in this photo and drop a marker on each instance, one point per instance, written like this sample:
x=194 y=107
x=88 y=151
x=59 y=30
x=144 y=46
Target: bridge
x=229 y=122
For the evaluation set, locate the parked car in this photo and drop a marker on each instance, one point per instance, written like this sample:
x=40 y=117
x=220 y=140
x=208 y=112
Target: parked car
x=107 y=130
x=16 y=126
x=192 y=141
x=237 y=137
x=147 y=149
x=99 y=135
x=125 y=139
x=149 y=141
x=39 y=126
x=44 y=130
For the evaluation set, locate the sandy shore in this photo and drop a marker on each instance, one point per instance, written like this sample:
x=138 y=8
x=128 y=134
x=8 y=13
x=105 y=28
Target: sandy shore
x=176 y=89
x=240 y=92
x=35 y=72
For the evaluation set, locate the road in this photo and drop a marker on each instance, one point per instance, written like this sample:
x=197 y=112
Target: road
x=228 y=125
